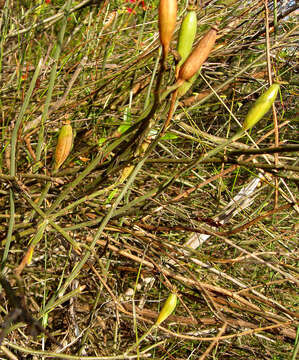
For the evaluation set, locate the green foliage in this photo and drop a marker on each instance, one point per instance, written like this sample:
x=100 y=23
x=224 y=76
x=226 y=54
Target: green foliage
x=221 y=228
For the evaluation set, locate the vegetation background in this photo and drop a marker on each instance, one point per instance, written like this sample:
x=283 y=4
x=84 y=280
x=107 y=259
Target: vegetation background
x=93 y=249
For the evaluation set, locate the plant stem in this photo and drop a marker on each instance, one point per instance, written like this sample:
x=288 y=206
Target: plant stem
x=140 y=339
x=52 y=80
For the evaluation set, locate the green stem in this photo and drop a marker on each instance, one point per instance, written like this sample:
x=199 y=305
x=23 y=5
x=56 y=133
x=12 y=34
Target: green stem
x=14 y=139
x=52 y=80
x=84 y=173
x=296 y=346
x=275 y=17
x=143 y=126
x=4 y=22
x=10 y=229
x=61 y=300
x=147 y=99
x=41 y=198
x=14 y=136
x=141 y=339
x=50 y=221
x=57 y=355
x=78 y=267
x=83 y=199
x=201 y=159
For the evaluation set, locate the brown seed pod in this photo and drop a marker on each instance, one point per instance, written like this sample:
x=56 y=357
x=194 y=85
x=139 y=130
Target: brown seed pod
x=167 y=21
x=198 y=56
x=126 y=172
x=64 y=145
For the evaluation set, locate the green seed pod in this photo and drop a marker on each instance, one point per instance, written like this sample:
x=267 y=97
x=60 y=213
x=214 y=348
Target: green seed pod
x=167 y=308
x=64 y=145
x=261 y=107
x=187 y=35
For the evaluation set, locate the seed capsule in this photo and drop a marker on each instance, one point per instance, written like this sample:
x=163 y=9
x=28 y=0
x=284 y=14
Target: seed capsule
x=126 y=172
x=198 y=56
x=186 y=36
x=261 y=107
x=64 y=145
x=167 y=21
x=167 y=308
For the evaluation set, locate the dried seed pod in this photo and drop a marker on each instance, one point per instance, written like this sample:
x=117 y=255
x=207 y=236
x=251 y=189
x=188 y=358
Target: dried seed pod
x=186 y=36
x=126 y=172
x=64 y=145
x=167 y=21
x=198 y=55
x=261 y=107
x=167 y=308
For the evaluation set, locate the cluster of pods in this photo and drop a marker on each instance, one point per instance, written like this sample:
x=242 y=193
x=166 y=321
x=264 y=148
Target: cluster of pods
x=191 y=61
x=187 y=69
